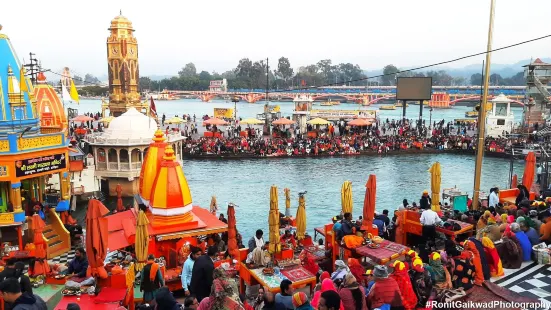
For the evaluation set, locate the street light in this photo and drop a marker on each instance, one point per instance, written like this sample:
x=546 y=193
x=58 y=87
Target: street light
x=430 y=118
x=529 y=104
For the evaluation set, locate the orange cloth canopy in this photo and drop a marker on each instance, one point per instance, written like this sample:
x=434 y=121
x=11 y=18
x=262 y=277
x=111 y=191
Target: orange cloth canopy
x=215 y=121
x=96 y=237
x=529 y=170
x=283 y=121
x=369 y=202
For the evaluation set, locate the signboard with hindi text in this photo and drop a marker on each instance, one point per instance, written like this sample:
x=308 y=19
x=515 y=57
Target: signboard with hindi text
x=6 y=218
x=30 y=166
x=223 y=113
x=343 y=114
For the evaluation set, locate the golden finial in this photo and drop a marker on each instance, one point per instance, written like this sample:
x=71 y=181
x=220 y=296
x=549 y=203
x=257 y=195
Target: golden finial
x=0 y=27
x=169 y=153
x=159 y=136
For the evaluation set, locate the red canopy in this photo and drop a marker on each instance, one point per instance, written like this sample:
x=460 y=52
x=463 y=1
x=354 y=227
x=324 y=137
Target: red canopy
x=233 y=249
x=82 y=118
x=529 y=170
x=96 y=237
x=360 y=122
x=283 y=121
x=369 y=203
x=215 y=121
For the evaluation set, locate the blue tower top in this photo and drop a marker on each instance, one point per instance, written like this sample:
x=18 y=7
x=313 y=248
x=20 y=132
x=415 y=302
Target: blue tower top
x=17 y=104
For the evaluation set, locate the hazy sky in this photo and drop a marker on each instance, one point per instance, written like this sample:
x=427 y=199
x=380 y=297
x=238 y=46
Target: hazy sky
x=216 y=34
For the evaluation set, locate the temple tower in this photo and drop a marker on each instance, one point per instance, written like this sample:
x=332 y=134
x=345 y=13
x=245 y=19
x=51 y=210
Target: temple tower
x=122 y=59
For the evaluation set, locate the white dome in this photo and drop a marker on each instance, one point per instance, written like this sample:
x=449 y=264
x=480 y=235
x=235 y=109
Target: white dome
x=131 y=125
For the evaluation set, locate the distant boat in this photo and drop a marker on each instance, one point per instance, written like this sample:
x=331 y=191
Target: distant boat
x=329 y=103
x=473 y=113
x=387 y=107
x=400 y=105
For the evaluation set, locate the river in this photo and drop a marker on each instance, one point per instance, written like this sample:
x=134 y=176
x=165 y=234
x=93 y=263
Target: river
x=247 y=182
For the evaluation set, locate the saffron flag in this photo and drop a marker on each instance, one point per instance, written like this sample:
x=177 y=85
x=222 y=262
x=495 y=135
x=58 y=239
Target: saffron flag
x=73 y=92
x=22 y=82
x=152 y=109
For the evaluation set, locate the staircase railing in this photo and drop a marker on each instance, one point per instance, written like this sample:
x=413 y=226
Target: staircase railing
x=59 y=228
x=539 y=85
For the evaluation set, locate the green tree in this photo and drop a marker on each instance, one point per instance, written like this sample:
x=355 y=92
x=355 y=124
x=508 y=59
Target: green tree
x=205 y=76
x=90 y=79
x=188 y=71
x=496 y=79
x=476 y=79
x=389 y=78
x=284 y=71
x=328 y=70
x=145 y=83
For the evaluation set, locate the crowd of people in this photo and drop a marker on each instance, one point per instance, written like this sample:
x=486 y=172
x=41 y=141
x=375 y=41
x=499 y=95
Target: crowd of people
x=390 y=136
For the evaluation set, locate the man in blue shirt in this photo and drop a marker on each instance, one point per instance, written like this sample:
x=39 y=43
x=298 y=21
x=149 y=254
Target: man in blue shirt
x=380 y=225
x=188 y=268
x=530 y=232
x=336 y=226
x=524 y=242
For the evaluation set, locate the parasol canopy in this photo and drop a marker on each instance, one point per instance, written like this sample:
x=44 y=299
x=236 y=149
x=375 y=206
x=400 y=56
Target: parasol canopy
x=215 y=121
x=233 y=249
x=435 y=180
x=318 y=121
x=251 y=121
x=529 y=170
x=283 y=121
x=107 y=120
x=360 y=122
x=142 y=240
x=176 y=120
x=213 y=205
x=346 y=197
x=82 y=119
x=120 y=206
x=369 y=202
x=273 y=220
x=301 y=217
x=41 y=266
x=96 y=237
x=287 y=201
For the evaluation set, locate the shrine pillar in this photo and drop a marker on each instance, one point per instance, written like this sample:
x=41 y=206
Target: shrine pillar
x=64 y=185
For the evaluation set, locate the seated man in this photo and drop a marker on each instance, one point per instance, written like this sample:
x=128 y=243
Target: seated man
x=287 y=237
x=79 y=264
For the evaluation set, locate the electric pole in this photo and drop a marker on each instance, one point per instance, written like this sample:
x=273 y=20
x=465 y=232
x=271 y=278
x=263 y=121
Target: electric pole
x=32 y=68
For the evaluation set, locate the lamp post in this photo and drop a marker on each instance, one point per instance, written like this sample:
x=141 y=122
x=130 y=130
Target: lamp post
x=235 y=100
x=430 y=118
x=529 y=104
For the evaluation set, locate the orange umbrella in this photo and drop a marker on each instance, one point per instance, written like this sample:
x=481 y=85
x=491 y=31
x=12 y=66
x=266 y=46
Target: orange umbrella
x=360 y=122
x=369 y=203
x=514 y=181
x=529 y=170
x=232 y=233
x=96 y=237
x=283 y=121
x=41 y=265
x=215 y=121
x=120 y=206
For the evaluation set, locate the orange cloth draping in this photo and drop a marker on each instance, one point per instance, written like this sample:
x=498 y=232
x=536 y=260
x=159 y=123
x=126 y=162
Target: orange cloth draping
x=369 y=203
x=142 y=240
x=529 y=170
x=96 y=237
x=514 y=182
x=120 y=206
x=233 y=249
x=477 y=263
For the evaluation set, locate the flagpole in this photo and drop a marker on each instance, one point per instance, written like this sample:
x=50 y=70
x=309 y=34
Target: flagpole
x=482 y=113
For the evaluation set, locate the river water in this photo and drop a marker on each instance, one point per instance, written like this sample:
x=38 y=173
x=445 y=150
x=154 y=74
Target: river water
x=247 y=182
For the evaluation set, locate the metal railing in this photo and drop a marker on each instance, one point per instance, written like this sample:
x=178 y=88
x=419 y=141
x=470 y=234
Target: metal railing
x=113 y=166
x=100 y=138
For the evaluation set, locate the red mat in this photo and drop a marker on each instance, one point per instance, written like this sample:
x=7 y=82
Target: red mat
x=109 y=295
x=296 y=274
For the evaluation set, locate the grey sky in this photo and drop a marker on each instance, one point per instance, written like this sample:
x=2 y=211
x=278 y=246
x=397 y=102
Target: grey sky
x=216 y=34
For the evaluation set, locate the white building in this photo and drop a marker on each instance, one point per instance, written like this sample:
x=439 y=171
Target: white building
x=218 y=86
x=500 y=120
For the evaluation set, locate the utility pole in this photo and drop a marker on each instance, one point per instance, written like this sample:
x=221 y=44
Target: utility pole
x=32 y=68
x=267 y=110
x=482 y=113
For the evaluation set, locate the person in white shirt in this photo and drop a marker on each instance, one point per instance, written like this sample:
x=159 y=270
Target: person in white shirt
x=188 y=268
x=539 y=171
x=493 y=200
x=429 y=219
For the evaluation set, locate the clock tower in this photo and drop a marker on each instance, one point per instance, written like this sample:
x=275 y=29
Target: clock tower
x=122 y=59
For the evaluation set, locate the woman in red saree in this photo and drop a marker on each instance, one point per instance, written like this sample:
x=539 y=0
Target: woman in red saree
x=357 y=270
x=400 y=274
x=496 y=269
x=469 y=246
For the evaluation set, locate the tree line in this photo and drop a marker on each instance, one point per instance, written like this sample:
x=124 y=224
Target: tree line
x=250 y=74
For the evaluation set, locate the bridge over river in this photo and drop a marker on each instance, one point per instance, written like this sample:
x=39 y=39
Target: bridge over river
x=360 y=94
